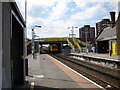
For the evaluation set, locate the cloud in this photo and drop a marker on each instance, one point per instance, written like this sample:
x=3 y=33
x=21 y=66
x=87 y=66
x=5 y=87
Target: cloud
x=59 y=9
x=38 y=11
x=55 y=16
x=80 y=3
x=113 y=7
x=89 y=12
x=58 y=28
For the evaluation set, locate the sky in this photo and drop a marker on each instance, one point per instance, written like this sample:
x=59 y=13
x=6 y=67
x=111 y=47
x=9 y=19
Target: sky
x=55 y=16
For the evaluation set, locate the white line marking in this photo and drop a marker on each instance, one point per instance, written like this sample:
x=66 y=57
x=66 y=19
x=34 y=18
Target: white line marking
x=80 y=74
x=98 y=57
x=38 y=76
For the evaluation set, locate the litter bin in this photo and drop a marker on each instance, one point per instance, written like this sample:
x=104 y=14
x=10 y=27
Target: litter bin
x=34 y=55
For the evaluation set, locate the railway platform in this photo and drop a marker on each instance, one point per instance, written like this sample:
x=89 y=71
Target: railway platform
x=99 y=56
x=47 y=72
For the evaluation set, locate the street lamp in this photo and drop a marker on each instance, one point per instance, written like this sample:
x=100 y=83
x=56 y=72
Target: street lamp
x=72 y=31
x=86 y=32
x=33 y=37
x=73 y=37
x=37 y=49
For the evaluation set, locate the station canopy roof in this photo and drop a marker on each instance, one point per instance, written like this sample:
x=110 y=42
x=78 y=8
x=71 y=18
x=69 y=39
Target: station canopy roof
x=107 y=34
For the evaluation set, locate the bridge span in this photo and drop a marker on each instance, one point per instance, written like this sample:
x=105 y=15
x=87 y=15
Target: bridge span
x=74 y=43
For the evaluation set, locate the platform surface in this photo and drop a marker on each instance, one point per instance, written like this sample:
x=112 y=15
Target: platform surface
x=96 y=55
x=47 y=72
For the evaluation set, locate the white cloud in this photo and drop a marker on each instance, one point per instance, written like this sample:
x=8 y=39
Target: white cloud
x=114 y=7
x=90 y=12
x=55 y=24
x=52 y=29
x=45 y=3
x=80 y=3
x=105 y=17
x=59 y=9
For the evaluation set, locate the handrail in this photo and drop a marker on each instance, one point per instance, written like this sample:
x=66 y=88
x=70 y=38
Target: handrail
x=71 y=45
x=76 y=43
x=82 y=43
x=52 y=39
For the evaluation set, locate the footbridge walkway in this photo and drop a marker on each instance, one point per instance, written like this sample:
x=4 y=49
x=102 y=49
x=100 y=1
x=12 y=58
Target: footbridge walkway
x=73 y=42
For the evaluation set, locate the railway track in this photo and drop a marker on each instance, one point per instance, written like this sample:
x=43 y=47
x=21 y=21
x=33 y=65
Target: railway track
x=91 y=71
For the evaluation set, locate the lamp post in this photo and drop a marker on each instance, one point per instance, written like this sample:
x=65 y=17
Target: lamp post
x=37 y=45
x=72 y=32
x=33 y=43
x=73 y=37
x=86 y=32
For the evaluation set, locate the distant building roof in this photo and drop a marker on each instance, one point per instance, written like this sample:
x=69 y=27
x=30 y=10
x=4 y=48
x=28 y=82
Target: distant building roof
x=107 y=34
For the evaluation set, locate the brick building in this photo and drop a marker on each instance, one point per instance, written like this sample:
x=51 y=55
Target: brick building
x=106 y=39
x=101 y=25
x=88 y=33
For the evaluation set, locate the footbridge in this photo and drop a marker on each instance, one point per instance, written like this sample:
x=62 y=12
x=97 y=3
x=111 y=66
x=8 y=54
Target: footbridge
x=74 y=43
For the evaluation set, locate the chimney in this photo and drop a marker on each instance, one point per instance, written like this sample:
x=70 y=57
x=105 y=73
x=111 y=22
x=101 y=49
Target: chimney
x=112 y=14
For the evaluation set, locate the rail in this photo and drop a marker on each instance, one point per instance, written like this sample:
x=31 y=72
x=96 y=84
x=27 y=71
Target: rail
x=92 y=71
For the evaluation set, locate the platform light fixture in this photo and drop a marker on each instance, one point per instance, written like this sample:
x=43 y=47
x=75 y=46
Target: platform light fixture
x=33 y=42
x=72 y=31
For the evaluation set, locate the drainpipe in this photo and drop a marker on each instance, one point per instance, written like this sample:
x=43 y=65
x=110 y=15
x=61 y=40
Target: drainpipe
x=110 y=48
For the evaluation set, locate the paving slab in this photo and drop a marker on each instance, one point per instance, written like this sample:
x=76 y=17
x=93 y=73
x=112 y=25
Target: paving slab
x=44 y=73
x=47 y=72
